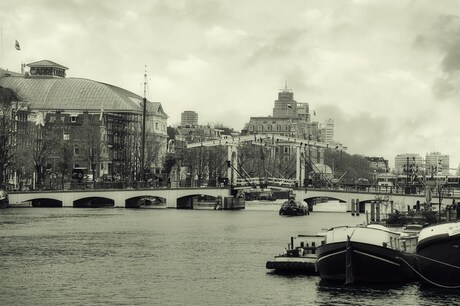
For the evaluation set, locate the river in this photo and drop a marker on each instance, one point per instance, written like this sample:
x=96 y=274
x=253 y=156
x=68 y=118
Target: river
x=116 y=256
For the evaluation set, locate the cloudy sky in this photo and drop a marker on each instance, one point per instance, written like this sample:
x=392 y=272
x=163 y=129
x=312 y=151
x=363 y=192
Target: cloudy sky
x=387 y=72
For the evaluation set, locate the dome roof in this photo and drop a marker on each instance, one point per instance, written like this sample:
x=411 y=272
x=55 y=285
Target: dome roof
x=72 y=94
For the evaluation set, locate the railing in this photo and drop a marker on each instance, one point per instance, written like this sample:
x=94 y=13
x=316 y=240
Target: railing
x=271 y=181
x=448 y=192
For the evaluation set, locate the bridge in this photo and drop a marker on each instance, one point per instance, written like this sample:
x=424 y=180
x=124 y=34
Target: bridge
x=181 y=197
x=173 y=197
x=401 y=201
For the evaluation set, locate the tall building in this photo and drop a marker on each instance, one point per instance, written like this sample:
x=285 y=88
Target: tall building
x=189 y=118
x=285 y=106
x=437 y=164
x=329 y=131
x=303 y=111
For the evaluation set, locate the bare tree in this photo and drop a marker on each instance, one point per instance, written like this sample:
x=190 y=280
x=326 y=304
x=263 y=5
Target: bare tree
x=44 y=143
x=7 y=96
x=91 y=134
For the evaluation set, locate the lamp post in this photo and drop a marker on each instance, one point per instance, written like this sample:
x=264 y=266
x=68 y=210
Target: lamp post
x=411 y=171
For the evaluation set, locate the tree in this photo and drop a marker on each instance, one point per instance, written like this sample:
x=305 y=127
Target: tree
x=356 y=166
x=7 y=97
x=91 y=133
x=44 y=142
x=64 y=154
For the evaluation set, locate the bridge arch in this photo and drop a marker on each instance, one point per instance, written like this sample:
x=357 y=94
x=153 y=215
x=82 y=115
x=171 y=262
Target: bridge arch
x=144 y=200
x=94 y=202
x=198 y=200
x=45 y=202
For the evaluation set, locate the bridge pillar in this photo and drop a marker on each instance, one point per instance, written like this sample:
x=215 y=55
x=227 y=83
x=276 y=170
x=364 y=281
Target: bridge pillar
x=320 y=155
x=300 y=166
x=232 y=157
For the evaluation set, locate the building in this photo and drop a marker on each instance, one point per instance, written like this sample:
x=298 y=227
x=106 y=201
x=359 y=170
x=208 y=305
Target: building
x=98 y=124
x=285 y=106
x=329 y=131
x=437 y=164
x=409 y=163
x=378 y=164
x=189 y=118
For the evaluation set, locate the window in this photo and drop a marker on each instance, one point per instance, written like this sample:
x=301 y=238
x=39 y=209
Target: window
x=73 y=118
x=66 y=136
x=76 y=150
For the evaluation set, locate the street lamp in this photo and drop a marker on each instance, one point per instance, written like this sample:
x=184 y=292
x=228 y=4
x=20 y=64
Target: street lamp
x=411 y=172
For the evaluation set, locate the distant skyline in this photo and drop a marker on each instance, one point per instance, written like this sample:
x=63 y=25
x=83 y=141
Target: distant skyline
x=387 y=72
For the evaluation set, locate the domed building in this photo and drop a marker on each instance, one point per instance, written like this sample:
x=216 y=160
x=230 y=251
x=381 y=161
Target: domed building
x=70 y=124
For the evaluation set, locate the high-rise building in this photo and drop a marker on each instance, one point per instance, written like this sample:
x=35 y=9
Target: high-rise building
x=437 y=163
x=189 y=118
x=303 y=111
x=285 y=106
x=329 y=131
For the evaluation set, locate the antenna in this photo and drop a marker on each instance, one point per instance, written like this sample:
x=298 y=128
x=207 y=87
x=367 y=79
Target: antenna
x=285 y=89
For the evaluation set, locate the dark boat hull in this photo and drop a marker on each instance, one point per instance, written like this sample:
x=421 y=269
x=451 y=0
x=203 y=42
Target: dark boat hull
x=293 y=265
x=294 y=211
x=370 y=263
x=438 y=260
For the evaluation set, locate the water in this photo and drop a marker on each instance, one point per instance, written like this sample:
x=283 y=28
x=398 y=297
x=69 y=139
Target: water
x=111 y=256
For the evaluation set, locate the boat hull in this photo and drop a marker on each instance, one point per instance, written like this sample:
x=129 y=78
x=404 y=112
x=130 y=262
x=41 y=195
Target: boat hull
x=438 y=260
x=295 y=265
x=370 y=263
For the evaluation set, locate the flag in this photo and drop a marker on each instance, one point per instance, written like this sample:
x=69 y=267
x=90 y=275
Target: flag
x=17 y=46
x=289 y=106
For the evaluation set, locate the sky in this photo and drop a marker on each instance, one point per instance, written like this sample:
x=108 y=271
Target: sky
x=386 y=71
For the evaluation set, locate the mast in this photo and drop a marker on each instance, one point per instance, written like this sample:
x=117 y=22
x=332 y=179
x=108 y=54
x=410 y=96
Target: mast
x=144 y=108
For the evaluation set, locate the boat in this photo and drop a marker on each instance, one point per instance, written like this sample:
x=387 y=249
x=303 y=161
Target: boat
x=438 y=255
x=367 y=254
x=152 y=202
x=293 y=208
x=299 y=257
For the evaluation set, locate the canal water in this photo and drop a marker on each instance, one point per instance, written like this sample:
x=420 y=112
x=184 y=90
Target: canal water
x=115 y=256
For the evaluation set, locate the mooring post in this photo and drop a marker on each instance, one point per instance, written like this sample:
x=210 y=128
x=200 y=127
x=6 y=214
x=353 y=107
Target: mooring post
x=349 y=277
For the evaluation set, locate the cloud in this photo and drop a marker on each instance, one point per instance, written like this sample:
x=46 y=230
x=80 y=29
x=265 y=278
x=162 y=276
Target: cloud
x=387 y=72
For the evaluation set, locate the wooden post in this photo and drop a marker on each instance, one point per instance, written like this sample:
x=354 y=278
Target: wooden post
x=349 y=277
x=372 y=211
x=352 y=207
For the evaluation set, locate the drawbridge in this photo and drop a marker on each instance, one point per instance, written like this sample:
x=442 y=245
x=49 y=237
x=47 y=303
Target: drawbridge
x=306 y=152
